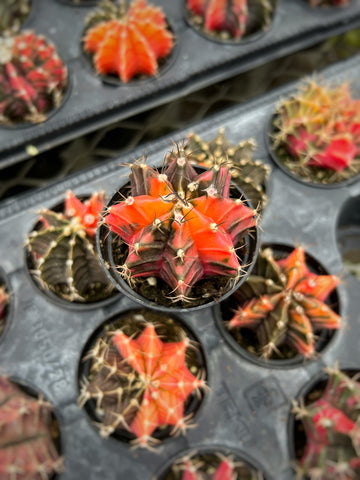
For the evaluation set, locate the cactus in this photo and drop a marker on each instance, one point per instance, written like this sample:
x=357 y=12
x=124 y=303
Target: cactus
x=250 y=175
x=33 y=79
x=335 y=3
x=180 y=227
x=332 y=429
x=63 y=251
x=283 y=303
x=127 y=41
x=4 y=300
x=12 y=14
x=317 y=133
x=211 y=466
x=140 y=377
x=29 y=436
x=230 y=19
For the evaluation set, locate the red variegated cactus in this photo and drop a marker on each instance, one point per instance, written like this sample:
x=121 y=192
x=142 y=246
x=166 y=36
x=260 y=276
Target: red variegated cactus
x=4 y=300
x=230 y=18
x=283 y=303
x=181 y=227
x=332 y=429
x=211 y=466
x=141 y=380
x=33 y=79
x=27 y=442
x=317 y=133
x=127 y=41
x=63 y=251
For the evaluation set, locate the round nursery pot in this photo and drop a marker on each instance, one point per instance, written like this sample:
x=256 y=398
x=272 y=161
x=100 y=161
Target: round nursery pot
x=259 y=20
x=317 y=411
x=245 y=340
x=210 y=461
x=50 y=286
x=155 y=293
x=132 y=389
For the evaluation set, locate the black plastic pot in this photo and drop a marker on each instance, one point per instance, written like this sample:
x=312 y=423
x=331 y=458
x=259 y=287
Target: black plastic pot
x=277 y=159
x=194 y=402
x=105 y=240
x=47 y=293
x=224 y=312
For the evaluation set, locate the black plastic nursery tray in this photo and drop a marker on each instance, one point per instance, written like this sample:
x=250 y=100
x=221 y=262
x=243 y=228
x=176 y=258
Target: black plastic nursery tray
x=248 y=407
x=194 y=63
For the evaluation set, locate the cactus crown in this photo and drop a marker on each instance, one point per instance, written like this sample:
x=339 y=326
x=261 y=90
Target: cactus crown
x=180 y=227
x=127 y=41
x=4 y=300
x=230 y=19
x=63 y=251
x=144 y=374
x=29 y=436
x=33 y=79
x=211 y=466
x=12 y=14
x=283 y=303
x=249 y=174
x=317 y=133
x=332 y=429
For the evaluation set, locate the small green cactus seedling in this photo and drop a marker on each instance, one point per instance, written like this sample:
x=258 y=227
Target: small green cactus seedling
x=332 y=429
x=283 y=304
x=63 y=251
x=140 y=378
x=29 y=436
x=249 y=174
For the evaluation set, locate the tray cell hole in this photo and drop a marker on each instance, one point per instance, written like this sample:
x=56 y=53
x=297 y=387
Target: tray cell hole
x=348 y=235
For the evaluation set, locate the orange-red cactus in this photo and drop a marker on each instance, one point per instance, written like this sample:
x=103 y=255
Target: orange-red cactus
x=284 y=304
x=180 y=226
x=128 y=43
x=87 y=212
x=165 y=378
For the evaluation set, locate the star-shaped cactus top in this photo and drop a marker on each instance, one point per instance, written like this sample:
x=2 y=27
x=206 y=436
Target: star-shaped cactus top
x=127 y=41
x=317 y=133
x=332 y=429
x=179 y=225
x=284 y=303
x=141 y=380
x=165 y=380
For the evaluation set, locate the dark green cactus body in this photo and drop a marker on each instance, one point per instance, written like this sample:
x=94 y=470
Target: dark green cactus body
x=12 y=15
